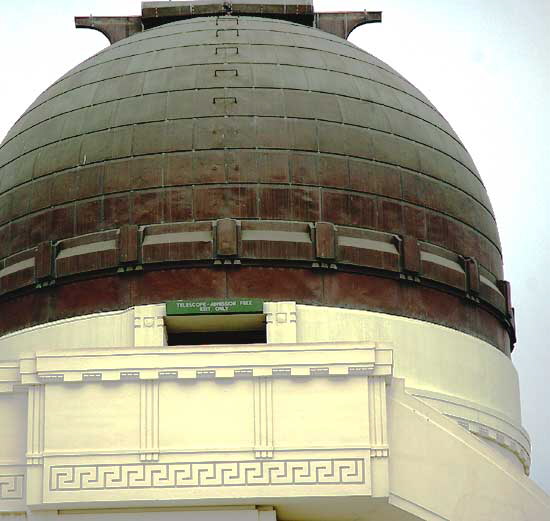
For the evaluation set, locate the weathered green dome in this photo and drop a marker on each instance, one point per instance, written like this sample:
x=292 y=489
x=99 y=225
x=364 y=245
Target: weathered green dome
x=260 y=121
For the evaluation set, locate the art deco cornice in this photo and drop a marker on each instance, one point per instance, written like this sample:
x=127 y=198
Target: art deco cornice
x=208 y=362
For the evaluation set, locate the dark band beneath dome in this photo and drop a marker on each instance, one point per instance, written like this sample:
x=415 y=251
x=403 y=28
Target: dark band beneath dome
x=311 y=263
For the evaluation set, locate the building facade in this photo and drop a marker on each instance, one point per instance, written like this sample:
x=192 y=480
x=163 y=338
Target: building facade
x=248 y=271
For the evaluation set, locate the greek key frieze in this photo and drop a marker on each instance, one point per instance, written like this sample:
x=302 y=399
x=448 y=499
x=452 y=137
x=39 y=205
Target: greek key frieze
x=209 y=474
x=12 y=487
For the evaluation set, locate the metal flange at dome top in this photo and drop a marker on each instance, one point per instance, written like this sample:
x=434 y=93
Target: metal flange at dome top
x=159 y=13
x=244 y=150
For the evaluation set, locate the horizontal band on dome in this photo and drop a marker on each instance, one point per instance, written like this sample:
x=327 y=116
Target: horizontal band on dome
x=235 y=63
x=230 y=242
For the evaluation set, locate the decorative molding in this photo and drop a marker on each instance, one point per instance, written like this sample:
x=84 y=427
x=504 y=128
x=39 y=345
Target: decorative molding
x=206 y=374
x=281 y=322
x=263 y=417
x=148 y=322
x=378 y=421
x=45 y=378
x=149 y=424
x=360 y=371
x=343 y=471
x=282 y=371
x=319 y=371
x=498 y=437
x=9 y=377
x=91 y=377
x=243 y=373
x=485 y=423
x=149 y=327
x=130 y=375
x=35 y=425
x=379 y=453
x=352 y=359
x=12 y=487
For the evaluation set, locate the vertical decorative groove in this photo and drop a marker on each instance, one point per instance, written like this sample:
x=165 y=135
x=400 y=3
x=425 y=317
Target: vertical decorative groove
x=257 y=412
x=30 y=422
x=270 y=414
x=156 y=442
x=263 y=417
x=383 y=412
x=372 y=419
x=379 y=426
x=377 y=413
x=149 y=420
x=35 y=422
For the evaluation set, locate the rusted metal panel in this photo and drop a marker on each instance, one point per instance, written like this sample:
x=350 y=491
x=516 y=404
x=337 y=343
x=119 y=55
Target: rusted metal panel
x=17 y=272
x=305 y=285
x=375 y=293
x=410 y=254
x=325 y=241
x=441 y=273
x=44 y=261
x=129 y=243
x=227 y=237
x=86 y=296
x=116 y=210
x=390 y=216
x=5 y=242
x=93 y=252
x=177 y=242
x=367 y=248
x=88 y=216
x=330 y=288
x=24 y=311
x=191 y=283
x=20 y=236
x=443 y=266
x=178 y=204
x=489 y=292
x=275 y=202
x=506 y=289
x=63 y=222
x=375 y=179
x=225 y=201
x=276 y=241
x=147 y=207
x=472 y=275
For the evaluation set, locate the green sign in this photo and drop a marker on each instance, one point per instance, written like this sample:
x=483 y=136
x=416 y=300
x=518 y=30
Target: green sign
x=214 y=306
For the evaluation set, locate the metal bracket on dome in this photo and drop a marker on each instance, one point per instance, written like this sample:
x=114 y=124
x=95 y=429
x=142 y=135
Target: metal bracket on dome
x=154 y=14
x=343 y=23
x=115 y=28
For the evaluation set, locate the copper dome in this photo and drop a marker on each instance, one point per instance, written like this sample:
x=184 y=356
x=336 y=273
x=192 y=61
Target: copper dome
x=250 y=157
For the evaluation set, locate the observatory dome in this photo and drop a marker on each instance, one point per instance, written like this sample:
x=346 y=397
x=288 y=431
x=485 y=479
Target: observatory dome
x=251 y=157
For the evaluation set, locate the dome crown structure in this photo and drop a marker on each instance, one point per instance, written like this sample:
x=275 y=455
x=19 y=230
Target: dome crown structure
x=235 y=155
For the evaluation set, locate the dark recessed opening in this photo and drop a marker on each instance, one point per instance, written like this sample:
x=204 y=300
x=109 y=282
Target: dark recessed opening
x=217 y=337
x=216 y=329
x=303 y=19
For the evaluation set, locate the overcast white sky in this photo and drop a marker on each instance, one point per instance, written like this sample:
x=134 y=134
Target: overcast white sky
x=484 y=63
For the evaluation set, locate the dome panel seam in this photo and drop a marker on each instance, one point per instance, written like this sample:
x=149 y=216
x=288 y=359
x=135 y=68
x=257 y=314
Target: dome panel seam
x=250 y=115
